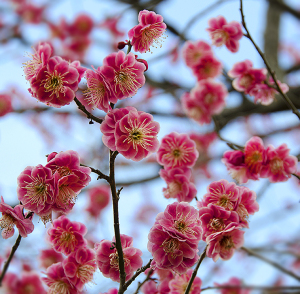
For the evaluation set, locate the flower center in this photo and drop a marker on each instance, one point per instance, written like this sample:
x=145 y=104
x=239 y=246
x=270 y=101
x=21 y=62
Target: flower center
x=173 y=189
x=219 y=37
x=7 y=222
x=37 y=191
x=66 y=239
x=216 y=224
x=85 y=273
x=276 y=165
x=152 y=34
x=246 y=81
x=221 y=198
x=114 y=260
x=209 y=98
x=170 y=246
x=126 y=80
x=95 y=93
x=59 y=287
x=184 y=222
x=66 y=196
x=227 y=242
x=54 y=83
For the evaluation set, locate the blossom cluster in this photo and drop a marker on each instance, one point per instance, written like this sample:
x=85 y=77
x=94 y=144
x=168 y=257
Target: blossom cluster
x=53 y=187
x=174 y=237
x=52 y=79
x=178 y=154
x=70 y=274
x=223 y=212
x=254 y=82
x=130 y=132
x=257 y=161
x=108 y=259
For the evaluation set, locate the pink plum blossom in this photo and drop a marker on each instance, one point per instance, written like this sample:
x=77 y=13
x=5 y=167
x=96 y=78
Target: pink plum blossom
x=193 y=51
x=207 y=67
x=50 y=256
x=149 y=30
x=177 y=150
x=179 y=184
x=222 y=193
x=66 y=236
x=233 y=282
x=99 y=92
x=136 y=135
x=264 y=94
x=194 y=109
x=99 y=197
x=108 y=260
x=30 y=282
x=170 y=252
x=57 y=281
x=247 y=205
x=254 y=155
x=279 y=164
x=215 y=219
x=223 y=33
x=39 y=59
x=180 y=220
x=56 y=83
x=179 y=284
x=235 y=163
x=37 y=189
x=14 y=217
x=149 y=287
x=246 y=77
x=124 y=73
x=31 y=13
x=5 y=104
x=224 y=243
x=71 y=178
x=80 y=267
x=108 y=126
x=81 y=26
x=10 y=283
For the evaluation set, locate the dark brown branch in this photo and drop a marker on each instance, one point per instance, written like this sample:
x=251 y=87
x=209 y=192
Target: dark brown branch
x=271 y=72
x=115 y=200
x=272 y=263
x=189 y=286
x=137 y=273
x=138 y=181
x=88 y=114
x=11 y=255
x=98 y=172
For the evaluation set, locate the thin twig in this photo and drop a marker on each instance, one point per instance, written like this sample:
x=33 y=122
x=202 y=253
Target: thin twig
x=137 y=273
x=272 y=263
x=189 y=286
x=98 y=172
x=271 y=72
x=88 y=114
x=254 y=287
x=11 y=255
x=141 y=284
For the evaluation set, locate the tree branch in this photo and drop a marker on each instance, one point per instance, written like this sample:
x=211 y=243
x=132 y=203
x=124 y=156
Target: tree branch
x=88 y=114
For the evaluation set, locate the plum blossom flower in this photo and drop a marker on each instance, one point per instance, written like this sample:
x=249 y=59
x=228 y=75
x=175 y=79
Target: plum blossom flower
x=14 y=217
x=254 y=155
x=179 y=284
x=207 y=67
x=136 y=135
x=56 y=83
x=49 y=256
x=193 y=51
x=81 y=26
x=223 y=33
x=206 y=99
x=99 y=198
x=37 y=189
x=71 y=178
x=245 y=76
x=99 y=92
x=80 y=267
x=149 y=287
x=179 y=184
x=66 y=236
x=224 y=243
x=180 y=220
x=222 y=193
x=170 y=252
x=57 y=281
x=39 y=59
x=215 y=219
x=30 y=282
x=124 y=73
x=177 y=150
x=233 y=282
x=246 y=205
x=264 y=94
x=235 y=163
x=108 y=126
x=5 y=104
x=279 y=164
x=108 y=260
x=149 y=30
